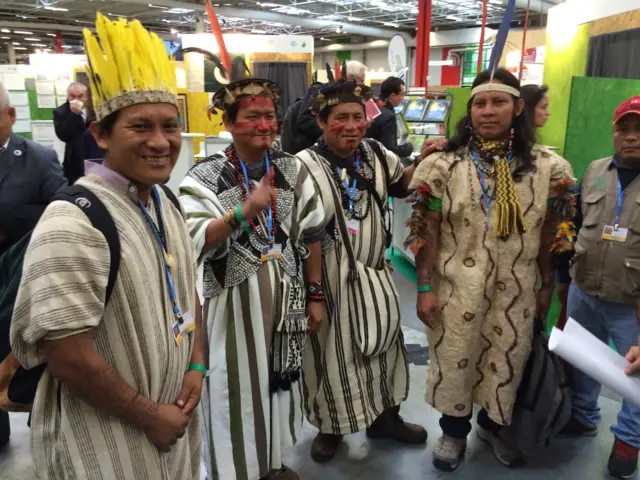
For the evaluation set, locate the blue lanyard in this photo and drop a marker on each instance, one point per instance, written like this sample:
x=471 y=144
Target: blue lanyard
x=486 y=200
x=161 y=244
x=247 y=184
x=351 y=193
x=616 y=224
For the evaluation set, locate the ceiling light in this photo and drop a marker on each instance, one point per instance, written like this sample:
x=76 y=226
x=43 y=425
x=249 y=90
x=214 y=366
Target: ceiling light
x=5 y=38
x=379 y=43
x=158 y=6
x=495 y=2
x=454 y=18
x=51 y=34
x=33 y=39
x=258 y=31
x=67 y=46
x=391 y=24
x=179 y=11
x=414 y=11
x=5 y=30
x=20 y=48
x=23 y=32
x=16 y=43
x=56 y=9
x=39 y=44
x=173 y=31
x=354 y=19
x=339 y=29
x=321 y=39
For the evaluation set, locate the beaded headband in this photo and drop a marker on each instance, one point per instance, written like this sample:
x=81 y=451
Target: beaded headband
x=495 y=87
x=340 y=92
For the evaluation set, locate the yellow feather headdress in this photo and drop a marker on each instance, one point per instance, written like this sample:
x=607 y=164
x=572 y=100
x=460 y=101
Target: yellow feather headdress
x=129 y=66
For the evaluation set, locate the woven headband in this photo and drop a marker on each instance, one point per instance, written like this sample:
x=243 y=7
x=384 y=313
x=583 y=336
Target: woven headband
x=496 y=87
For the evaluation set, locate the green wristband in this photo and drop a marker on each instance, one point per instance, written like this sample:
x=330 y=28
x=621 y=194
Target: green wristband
x=239 y=217
x=425 y=288
x=199 y=367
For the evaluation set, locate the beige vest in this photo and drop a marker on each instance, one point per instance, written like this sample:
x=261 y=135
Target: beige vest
x=605 y=268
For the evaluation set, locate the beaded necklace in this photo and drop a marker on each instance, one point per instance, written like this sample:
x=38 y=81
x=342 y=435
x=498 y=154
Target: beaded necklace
x=263 y=233
x=346 y=199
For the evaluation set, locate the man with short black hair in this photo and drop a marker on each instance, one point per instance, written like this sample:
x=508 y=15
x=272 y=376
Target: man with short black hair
x=384 y=127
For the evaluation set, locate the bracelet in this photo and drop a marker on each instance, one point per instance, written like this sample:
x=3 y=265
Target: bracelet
x=230 y=219
x=425 y=288
x=198 y=367
x=315 y=292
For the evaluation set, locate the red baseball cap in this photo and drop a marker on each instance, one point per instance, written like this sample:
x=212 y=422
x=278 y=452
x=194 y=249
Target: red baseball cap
x=631 y=105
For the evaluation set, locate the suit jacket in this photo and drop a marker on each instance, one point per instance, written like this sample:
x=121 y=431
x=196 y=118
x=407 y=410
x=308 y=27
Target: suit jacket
x=385 y=130
x=90 y=148
x=30 y=175
x=69 y=128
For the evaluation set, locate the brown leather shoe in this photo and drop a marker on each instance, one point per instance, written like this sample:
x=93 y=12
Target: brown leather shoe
x=325 y=446
x=285 y=474
x=390 y=426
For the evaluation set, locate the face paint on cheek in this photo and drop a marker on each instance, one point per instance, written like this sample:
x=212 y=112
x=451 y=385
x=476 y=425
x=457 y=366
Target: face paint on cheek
x=336 y=128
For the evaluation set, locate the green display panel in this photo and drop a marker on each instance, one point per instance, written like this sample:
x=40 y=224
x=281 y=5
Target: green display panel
x=566 y=57
x=589 y=127
x=458 y=110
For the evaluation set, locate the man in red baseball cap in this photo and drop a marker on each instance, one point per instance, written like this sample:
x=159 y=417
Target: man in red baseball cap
x=604 y=296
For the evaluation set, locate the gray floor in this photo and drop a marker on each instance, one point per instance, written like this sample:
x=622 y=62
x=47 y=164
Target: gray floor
x=359 y=458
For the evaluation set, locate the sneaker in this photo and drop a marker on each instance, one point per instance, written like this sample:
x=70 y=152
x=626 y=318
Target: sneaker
x=505 y=454
x=623 y=462
x=449 y=453
x=575 y=428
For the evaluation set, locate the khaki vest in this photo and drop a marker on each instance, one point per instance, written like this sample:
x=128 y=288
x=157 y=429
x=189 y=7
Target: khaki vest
x=605 y=268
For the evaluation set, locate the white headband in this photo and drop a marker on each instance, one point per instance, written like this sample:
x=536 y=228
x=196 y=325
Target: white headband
x=496 y=87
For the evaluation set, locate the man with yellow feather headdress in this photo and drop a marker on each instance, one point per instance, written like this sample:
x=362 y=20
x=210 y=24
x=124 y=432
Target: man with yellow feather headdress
x=119 y=395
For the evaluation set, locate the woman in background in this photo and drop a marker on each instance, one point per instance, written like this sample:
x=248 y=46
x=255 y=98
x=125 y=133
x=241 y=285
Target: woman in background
x=536 y=102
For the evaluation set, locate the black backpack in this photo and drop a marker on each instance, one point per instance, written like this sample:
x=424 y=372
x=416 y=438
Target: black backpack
x=543 y=401
x=21 y=389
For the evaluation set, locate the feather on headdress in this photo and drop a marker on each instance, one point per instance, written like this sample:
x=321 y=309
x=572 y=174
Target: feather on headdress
x=128 y=66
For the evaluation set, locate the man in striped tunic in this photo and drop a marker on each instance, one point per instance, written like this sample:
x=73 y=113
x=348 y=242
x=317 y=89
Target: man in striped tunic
x=348 y=386
x=255 y=216
x=119 y=395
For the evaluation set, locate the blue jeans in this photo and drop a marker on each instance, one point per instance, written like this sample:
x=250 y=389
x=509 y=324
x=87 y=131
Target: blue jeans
x=606 y=320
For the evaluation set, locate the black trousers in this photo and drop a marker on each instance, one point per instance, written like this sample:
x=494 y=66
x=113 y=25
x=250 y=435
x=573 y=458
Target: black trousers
x=5 y=429
x=459 y=427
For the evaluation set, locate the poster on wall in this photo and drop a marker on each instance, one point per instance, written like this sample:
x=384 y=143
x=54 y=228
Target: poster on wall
x=532 y=64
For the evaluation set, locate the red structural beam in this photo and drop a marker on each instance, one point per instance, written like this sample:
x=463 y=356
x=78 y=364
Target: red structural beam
x=524 y=40
x=481 y=45
x=423 y=43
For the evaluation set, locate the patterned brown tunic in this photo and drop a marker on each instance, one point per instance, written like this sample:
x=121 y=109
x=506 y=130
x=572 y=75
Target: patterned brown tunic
x=486 y=286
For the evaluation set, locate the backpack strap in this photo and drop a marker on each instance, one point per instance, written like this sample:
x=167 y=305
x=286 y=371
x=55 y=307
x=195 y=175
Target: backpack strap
x=172 y=198
x=101 y=220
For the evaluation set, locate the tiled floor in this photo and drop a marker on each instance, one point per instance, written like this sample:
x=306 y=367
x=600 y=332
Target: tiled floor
x=360 y=458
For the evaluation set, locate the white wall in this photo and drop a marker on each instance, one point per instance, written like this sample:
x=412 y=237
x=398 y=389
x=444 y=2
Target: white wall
x=577 y=12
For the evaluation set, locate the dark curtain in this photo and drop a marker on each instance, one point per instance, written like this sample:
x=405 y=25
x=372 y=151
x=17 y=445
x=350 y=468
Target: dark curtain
x=292 y=77
x=615 y=55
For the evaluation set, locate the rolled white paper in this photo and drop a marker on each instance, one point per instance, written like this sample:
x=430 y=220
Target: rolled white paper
x=584 y=351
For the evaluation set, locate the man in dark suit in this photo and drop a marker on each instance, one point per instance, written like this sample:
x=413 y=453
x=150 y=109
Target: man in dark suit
x=70 y=121
x=30 y=175
x=384 y=127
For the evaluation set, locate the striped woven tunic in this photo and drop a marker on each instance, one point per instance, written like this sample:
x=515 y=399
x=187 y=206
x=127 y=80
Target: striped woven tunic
x=62 y=293
x=246 y=425
x=345 y=391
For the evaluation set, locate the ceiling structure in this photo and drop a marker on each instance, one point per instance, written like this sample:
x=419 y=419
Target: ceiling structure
x=325 y=19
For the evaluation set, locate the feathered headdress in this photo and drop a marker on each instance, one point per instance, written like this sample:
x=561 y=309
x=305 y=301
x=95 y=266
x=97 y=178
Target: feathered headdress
x=339 y=92
x=128 y=66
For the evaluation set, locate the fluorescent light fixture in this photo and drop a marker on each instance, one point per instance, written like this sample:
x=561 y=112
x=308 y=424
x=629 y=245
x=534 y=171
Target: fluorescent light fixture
x=23 y=32
x=354 y=19
x=67 y=46
x=173 y=31
x=51 y=35
x=39 y=44
x=20 y=48
x=255 y=30
x=33 y=39
x=16 y=43
x=5 y=38
x=414 y=11
x=321 y=39
x=158 y=6
x=335 y=46
x=5 y=30
x=391 y=24
x=179 y=11
x=496 y=2
x=56 y=9
x=379 y=43
x=454 y=18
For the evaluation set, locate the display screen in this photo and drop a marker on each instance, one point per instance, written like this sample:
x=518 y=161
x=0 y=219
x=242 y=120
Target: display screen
x=415 y=109
x=400 y=108
x=437 y=111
